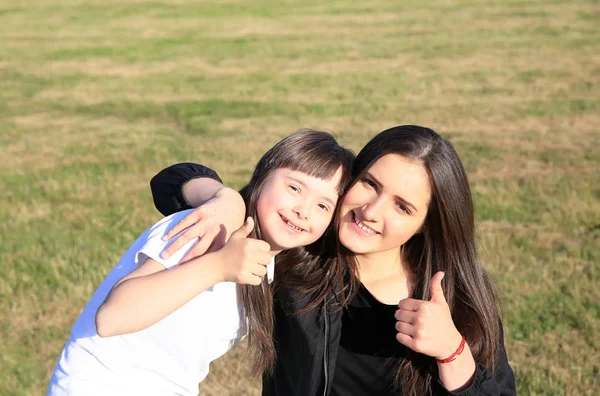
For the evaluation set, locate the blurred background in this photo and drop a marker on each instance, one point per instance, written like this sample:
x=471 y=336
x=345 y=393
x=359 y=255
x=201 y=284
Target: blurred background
x=98 y=96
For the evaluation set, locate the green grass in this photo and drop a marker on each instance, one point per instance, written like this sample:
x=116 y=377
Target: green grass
x=97 y=96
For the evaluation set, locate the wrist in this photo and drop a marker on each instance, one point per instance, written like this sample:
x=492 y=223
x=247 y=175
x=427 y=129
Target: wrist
x=209 y=267
x=217 y=263
x=454 y=346
x=234 y=210
x=459 y=374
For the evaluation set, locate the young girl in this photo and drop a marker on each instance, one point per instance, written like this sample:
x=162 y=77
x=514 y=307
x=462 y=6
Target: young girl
x=154 y=324
x=419 y=311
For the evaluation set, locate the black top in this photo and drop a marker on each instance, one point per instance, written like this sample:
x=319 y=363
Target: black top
x=309 y=345
x=368 y=350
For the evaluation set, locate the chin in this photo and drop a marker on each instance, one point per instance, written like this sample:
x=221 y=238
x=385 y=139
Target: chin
x=278 y=244
x=285 y=245
x=352 y=242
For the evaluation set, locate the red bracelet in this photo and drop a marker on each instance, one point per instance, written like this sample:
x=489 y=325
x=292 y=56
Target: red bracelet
x=452 y=357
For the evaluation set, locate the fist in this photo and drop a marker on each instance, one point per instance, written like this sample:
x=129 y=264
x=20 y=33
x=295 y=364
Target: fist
x=244 y=260
x=427 y=326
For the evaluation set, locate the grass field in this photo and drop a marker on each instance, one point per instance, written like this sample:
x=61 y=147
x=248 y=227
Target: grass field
x=97 y=96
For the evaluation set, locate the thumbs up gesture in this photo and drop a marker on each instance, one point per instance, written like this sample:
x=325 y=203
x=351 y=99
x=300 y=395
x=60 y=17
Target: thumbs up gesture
x=244 y=259
x=426 y=326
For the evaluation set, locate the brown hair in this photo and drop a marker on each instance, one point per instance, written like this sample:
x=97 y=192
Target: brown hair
x=316 y=154
x=446 y=243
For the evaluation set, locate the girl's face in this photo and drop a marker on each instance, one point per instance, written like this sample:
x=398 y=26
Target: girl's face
x=294 y=209
x=386 y=207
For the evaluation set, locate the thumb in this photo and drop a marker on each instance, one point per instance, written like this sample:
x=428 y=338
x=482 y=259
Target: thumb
x=437 y=293
x=244 y=230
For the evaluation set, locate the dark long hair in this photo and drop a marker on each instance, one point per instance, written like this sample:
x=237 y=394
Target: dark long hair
x=446 y=243
x=316 y=154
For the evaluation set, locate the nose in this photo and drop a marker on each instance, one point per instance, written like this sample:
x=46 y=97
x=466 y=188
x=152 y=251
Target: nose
x=301 y=210
x=372 y=209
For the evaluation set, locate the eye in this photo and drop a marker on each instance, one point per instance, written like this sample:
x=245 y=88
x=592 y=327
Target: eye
x=294 y=188
x=403 y=208
x=370 y=183
x=324 y=207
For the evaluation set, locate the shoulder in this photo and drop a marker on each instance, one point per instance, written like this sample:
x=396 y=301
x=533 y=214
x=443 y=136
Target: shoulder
x=161 y=227
x=152 y=245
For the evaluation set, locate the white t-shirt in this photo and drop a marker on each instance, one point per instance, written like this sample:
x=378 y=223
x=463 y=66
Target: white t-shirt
x=170 y=357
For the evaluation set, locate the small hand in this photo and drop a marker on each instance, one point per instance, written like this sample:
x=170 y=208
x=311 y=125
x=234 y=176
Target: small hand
x=427 y=326
x=245 y=259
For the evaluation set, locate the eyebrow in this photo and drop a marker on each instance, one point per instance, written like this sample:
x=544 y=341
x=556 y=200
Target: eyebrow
x=397 y=197
x=325 y=198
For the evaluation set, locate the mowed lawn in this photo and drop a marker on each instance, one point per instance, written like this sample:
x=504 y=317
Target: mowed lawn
x=98 y=96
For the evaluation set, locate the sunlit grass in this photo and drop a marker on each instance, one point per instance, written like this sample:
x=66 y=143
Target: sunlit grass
x=97 y=96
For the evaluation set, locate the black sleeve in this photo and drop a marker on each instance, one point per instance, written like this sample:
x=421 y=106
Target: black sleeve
x=167 y=185
x=499 y=383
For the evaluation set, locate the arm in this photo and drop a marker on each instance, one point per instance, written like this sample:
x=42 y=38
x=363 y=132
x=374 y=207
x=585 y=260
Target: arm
x=169 y=189
x=427 y=327
x=499 y=383
x=151 y=292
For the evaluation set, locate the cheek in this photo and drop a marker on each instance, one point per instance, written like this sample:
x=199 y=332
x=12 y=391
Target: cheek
x=321 y=224
x=402 y=229
x=263 y=208
x=351 y=196
x=357 y=196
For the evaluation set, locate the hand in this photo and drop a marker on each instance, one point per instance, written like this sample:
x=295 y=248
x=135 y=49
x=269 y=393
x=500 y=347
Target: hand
x=245 y=259
x=426 y=326
x=209 y=222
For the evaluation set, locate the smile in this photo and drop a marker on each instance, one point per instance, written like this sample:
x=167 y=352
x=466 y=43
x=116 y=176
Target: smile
x=291 y=225
x=367 y=230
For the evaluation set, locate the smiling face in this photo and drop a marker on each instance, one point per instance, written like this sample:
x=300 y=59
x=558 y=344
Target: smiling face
x=386 y=207
x=294 y=209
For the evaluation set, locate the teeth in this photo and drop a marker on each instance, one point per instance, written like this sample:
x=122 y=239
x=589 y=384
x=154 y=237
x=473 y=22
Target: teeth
x=364 y=227
x=293 y=227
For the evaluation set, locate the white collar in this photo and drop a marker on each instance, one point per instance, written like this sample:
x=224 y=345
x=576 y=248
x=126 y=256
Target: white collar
x=271 y=270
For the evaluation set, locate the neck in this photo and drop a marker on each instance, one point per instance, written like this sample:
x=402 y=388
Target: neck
x=381 y=265
x=275 y=250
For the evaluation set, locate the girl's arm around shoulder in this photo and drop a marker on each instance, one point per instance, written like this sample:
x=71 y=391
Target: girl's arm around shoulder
x=219 y=209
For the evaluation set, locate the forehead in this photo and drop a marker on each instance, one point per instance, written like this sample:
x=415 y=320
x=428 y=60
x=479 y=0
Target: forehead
x=328 y=187
x=402 y=177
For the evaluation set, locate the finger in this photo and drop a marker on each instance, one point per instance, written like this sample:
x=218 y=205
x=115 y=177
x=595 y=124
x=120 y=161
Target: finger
x=405 y=340
x=252 y=280
x=437 y=293
x=259 y=246
x=410 y=304
x=187 y=221
x=406 y=328
x=259 y=270
x=244 y=230
x=263 y=259
x=195 y=231
x=202 y=245
x=405 y=316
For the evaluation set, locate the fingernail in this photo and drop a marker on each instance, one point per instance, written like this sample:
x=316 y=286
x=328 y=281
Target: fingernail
x=164 y=255
x=164 y=238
